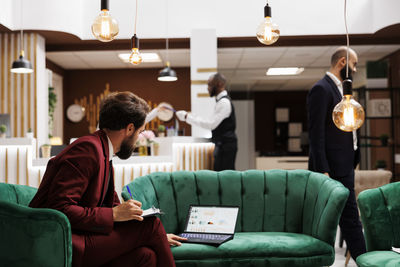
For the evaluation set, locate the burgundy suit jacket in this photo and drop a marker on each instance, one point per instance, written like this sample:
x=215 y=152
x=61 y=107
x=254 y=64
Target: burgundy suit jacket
x=75 y=183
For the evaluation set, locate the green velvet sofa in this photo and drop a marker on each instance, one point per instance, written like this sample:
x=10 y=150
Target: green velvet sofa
x=380 y=215
x=286 y=218
x=31 y=237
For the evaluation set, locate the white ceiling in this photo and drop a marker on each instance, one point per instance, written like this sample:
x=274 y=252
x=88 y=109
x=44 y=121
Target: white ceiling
x=244 y=67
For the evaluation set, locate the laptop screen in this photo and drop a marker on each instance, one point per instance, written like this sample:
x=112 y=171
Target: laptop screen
x=211 y=219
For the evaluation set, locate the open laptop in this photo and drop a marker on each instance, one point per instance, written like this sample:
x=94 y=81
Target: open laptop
x=210 y=224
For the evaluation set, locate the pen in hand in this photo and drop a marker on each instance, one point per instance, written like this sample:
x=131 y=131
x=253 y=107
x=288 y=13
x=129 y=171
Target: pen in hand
x=129 y=191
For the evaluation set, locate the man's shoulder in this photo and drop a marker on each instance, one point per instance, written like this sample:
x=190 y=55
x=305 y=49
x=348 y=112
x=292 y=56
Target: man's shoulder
x=322 y=85
x=90 y=144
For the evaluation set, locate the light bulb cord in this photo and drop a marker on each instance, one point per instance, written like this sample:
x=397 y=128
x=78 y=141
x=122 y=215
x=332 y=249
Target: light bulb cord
x=347 y=38
x=22 y=32
x=166 y=40
x=136 y=16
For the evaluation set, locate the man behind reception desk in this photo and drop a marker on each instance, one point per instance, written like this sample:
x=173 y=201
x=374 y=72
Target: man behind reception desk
x=332 y=151
x=222 y=124
x=79 y=182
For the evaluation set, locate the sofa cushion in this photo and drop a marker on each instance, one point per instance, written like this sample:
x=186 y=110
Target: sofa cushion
x=379 y=259
x=266 y=246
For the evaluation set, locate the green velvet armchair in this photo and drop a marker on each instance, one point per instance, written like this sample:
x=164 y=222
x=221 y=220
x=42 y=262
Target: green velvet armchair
x=286 y=218
x=31 y=237
x=380 y=215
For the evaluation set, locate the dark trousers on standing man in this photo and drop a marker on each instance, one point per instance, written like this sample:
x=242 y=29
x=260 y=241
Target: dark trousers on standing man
x=349 y=223
x=131 y=243
x=224 y=156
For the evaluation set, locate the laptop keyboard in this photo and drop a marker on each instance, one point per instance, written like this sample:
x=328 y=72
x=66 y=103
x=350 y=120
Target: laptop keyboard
x=205 y=236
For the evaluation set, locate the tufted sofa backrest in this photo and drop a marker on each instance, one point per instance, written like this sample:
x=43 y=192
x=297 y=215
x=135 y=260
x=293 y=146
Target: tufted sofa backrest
x=18 y=194
x=296 y=201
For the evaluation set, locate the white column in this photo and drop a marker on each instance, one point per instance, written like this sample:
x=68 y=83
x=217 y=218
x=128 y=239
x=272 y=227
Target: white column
x=203 y=55
x=42 y=100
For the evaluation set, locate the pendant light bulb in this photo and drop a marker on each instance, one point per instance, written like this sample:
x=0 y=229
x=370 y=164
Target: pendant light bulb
x=267 y=32
x=348 y=115
x=105 y=28
x=135 y=58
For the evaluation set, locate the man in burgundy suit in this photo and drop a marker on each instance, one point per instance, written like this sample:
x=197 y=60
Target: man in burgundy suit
x=79 y=182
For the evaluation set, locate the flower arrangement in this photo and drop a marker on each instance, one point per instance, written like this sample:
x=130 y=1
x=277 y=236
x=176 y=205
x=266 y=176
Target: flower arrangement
x=145 y=138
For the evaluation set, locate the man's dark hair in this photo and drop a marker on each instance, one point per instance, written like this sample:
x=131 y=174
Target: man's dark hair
x=119 y=109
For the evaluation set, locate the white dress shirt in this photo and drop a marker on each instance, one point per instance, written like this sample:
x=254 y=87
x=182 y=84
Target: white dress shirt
x=110 y=149
x=339 y=86
x=222 y=111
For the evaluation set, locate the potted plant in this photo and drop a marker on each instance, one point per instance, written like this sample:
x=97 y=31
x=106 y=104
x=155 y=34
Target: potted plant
x=161 y=130
x=29 y=133
x=3 y=130
x=380 y=164
x=384 y=139
x=46 y=151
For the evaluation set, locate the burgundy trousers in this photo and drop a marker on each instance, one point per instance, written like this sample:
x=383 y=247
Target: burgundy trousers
x=131 y=243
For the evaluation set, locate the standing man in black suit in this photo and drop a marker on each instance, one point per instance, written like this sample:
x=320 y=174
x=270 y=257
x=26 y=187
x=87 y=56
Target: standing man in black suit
x=332 y=151
x=222 y=124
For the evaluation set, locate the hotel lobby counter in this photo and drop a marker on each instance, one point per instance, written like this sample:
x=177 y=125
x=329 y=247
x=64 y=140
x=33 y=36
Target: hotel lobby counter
x=18 y=164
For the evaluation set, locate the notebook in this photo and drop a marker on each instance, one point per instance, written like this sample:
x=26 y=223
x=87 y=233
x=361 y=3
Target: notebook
x=210 y=224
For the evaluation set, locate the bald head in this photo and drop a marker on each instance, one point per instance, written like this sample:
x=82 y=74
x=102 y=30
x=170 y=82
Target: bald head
x=216 y=84
x=341 y=53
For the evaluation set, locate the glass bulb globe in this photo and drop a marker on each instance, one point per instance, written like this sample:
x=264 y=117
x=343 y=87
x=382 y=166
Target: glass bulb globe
x=135 y=58
x=348 y=115
x=105 y=28
x=268 y=32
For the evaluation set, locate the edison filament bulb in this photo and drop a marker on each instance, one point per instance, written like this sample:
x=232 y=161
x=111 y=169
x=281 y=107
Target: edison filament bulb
x=135 y=58
x=267 y=32
x=348 y=115
x=105 y=28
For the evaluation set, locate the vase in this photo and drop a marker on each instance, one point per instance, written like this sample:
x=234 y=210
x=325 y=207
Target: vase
x=29 y=135
x=161 y=134
x=46 y=151
x=143 y=151
x=154 y=149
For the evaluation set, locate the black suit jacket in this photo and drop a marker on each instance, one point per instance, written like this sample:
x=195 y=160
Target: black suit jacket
x=331 y=150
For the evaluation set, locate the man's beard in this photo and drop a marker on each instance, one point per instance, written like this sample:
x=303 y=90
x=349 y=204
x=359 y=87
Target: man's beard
x=126 y=148
x=213 y=91
x=343 y=73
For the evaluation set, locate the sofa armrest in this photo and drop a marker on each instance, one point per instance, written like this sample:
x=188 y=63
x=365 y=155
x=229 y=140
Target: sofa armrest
x=328 y=211
x=34 y=237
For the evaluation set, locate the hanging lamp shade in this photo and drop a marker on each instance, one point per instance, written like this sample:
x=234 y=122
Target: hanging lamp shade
x=21 y=65
x=167 y=74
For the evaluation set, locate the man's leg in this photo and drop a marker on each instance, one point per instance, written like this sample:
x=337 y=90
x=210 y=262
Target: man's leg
x=140 y=257
x=349 y=223
x=218 y=157
x=126 y=237
x=229 y=156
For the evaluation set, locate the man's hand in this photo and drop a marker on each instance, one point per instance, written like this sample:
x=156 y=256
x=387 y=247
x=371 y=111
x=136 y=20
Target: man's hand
x=129 y=210
x=173 y=240
x=327 y=174
x=181 y=114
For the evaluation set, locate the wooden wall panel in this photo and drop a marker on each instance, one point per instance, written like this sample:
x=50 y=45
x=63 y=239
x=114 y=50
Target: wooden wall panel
x=142 y=82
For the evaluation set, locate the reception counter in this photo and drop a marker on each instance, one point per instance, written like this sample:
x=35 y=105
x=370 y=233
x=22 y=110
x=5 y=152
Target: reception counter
x=19 y=165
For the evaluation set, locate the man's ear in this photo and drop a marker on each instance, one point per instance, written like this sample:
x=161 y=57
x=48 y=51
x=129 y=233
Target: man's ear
x=130 y=129
x=342 y=62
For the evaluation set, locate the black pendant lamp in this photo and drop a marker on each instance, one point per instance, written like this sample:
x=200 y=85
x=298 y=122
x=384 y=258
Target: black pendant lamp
x=21 y=65
x=167 y=74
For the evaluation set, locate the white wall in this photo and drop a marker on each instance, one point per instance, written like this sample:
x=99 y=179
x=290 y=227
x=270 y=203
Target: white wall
x=228 y=17
x=245 y=130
